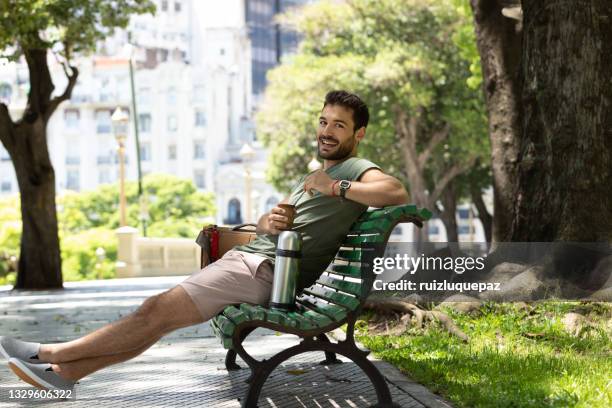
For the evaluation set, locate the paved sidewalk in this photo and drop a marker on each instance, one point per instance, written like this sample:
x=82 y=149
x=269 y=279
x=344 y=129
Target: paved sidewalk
x=186 y=367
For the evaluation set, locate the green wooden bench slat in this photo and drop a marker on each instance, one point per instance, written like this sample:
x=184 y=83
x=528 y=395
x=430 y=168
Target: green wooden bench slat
x=349 y=255
x=275 y=316
x=353 y=288
x=377 y=225
x=341 y=299
x=410 y=209
x=392 y=212
x=425 y=213
x=303 y=322
x=225 y=325
x=226 y=342
x=254 y=312
x=346 y=270
x=360 y=239
x=235 y=315
x=334 y=312
x=318 y=319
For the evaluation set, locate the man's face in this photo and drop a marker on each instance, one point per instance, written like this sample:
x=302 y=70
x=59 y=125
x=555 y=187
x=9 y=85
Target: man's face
x=336 y=136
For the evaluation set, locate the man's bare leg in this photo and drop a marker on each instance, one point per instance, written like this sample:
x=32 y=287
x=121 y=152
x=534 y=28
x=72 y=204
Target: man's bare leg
x=75 y=370
x=157 y=316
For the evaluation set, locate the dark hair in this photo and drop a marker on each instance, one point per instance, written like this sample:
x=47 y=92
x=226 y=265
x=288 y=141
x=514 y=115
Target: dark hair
x=361 y=114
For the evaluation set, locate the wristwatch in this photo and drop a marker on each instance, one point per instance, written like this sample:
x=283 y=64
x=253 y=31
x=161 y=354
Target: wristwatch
x=344 y=186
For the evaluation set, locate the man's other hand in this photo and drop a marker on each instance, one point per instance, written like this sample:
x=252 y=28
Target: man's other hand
x=319 y=181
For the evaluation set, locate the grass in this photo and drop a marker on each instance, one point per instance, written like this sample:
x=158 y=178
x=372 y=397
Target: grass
x=515 y=357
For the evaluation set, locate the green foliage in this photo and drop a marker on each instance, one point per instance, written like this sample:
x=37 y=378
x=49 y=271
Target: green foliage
x=10 y=233
x=79 y=260
x=66 y=26
x=412 y=56
x=87 y=221
x=175 y=207
x=516 y=357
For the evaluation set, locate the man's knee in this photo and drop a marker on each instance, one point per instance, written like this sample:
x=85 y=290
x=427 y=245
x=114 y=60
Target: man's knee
x=169 y=310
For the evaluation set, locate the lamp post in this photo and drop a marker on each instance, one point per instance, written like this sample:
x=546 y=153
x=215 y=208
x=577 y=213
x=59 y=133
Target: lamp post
x=120 y=123
x=144 y=216
x=247 y=153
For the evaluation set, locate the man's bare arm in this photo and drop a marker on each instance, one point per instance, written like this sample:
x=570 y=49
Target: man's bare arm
x=377 y=189
x=374 y=188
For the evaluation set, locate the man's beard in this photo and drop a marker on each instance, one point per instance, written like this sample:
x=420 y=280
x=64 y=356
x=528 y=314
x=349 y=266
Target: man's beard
x=342 y=151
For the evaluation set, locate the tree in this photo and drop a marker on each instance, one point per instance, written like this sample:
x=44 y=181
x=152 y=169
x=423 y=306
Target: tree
x=28 y=30
x=498 y=35
x=566 y=145
x=176 y=208
x=407 y=60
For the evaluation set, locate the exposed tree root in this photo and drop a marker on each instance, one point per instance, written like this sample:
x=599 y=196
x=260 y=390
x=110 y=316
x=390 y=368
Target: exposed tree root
x=403 y=312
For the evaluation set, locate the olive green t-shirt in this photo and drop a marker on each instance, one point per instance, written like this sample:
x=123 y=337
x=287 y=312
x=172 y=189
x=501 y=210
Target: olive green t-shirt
x=323 y=221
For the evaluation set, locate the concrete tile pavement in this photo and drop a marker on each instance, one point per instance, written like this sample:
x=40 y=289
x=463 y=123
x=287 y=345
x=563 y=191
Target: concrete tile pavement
x=185 y=368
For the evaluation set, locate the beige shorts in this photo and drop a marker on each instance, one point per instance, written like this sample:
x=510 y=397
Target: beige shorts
x=238 y=277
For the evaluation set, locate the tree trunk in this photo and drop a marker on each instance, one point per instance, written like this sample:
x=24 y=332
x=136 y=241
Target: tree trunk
x=483 y=213
x=39 y=259
x=499 y=45
x=449 y=213
x=26 y=141
x=566 y=145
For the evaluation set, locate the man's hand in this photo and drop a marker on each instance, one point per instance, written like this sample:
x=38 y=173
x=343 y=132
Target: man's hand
x=319 y=181
x=278 y=221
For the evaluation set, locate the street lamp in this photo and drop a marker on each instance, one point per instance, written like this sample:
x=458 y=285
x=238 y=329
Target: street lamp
x=120 y=125
x=247 y=153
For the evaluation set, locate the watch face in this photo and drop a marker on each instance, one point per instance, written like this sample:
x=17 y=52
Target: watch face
x=344 y=184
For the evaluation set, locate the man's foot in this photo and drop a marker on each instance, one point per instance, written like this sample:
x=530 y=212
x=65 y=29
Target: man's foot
x=40 y=375
x=22 y=350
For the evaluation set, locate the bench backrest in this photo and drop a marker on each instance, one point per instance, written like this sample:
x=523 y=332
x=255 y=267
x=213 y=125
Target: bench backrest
x=348 y=280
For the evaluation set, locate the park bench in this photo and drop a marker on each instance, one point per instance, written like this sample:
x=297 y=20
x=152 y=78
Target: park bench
x=334 y=300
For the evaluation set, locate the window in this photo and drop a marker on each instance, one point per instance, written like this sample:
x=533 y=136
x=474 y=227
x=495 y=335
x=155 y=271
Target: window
x=200 y=119
x=233 y=212
x=6 y=186
x=71 y=118
x=464 y=229
x=103 y=121
x=270 y=203
x=199 y=177
x=4 y=154
x=144 y=95
x=177 y=6
x=464 y=213
x=172 y=152
x=198 y=149
x=434 y=230
x=199 y=93
x=145 y=151
x=144 y=122
x=5 y=93
x=171 y=96
x=397 y=230
x=104 y=177
x=72 y=180
x=172 y=123
x=164 y=5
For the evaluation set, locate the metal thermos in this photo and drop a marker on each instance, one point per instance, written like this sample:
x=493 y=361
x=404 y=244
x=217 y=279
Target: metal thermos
x=286 y=270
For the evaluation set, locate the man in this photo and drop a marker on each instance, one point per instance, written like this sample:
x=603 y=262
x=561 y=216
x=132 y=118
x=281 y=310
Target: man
x=335 y=197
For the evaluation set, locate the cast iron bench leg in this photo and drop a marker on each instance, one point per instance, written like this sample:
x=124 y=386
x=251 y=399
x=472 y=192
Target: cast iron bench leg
x=330 y=358
x=230 y=357
x=264 y=369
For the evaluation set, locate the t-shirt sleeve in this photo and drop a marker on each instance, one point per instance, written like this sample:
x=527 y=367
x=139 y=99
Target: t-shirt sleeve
x=359 y=167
